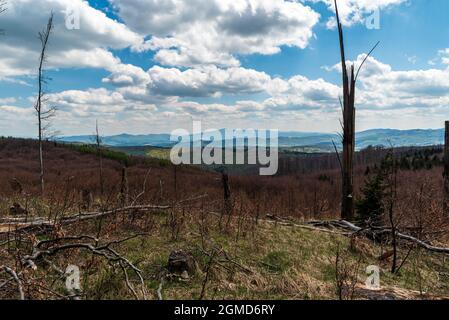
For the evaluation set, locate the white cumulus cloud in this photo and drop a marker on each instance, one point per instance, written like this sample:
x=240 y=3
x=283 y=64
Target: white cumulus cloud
x=87 y=47
x=196 y=32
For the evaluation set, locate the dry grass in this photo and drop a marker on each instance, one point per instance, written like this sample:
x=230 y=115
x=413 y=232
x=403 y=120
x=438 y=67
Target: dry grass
x=284 y=263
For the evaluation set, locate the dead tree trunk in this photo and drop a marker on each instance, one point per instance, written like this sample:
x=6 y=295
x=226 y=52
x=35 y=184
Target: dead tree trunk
x=226 y=189
x=175 y=182
x=227 y=206
x=392 y=198
x=41 y=114
x=347 y=208
x=100 y=158
x=347 y=202
x=348 y=109
x=446 y=170
x=124 y=188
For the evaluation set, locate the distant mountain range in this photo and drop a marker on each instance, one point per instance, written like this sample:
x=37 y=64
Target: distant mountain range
x=300 y=140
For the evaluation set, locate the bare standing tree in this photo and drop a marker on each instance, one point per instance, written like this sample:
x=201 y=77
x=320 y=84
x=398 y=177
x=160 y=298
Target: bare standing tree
x=392 y=197
x=100 y=157
x=124 y=188
x=43 y=114
x=349 y=82
x=446 y=170
x=227 y=205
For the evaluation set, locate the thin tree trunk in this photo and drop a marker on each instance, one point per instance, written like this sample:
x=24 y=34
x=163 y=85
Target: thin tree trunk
x=41 y=156
x=39 y=116
x=175 y=182
x=124 y=188
x=44 y=37
x=391 y=208
x=393 y=237
x=227 y=206
x=446 y=170
x=100 y=158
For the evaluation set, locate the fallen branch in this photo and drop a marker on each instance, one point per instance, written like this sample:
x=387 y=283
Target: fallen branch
x=353 y=230
x=24 y=224
x=159 y=289
x=19 y=224
x=307 y=227
x=278 y=221
x=104 y=251
x=349 y=226
x=16 y=278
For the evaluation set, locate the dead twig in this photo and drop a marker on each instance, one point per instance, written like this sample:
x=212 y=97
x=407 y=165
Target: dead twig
x=16 y=278
x=53 y=247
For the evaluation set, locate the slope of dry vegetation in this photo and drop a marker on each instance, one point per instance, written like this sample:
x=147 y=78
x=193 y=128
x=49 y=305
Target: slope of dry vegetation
x=123 y=254
x=298 y=194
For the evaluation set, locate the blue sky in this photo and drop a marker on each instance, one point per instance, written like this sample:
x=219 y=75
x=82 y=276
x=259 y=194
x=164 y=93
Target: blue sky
x=143 y=66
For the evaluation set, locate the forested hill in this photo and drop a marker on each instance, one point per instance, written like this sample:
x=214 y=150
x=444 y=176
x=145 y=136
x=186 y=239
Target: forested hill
x=316 y=141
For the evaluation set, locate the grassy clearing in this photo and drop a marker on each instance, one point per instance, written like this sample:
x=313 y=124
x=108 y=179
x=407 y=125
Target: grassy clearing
x=285 y=263
x=158 y=153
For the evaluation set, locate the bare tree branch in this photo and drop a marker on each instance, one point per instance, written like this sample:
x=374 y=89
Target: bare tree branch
x=364 y=60
x=105 y=251
x=16 y=278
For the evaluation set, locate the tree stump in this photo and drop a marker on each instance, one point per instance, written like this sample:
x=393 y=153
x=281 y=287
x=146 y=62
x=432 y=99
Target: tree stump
x=180 y=262
x=17 y=209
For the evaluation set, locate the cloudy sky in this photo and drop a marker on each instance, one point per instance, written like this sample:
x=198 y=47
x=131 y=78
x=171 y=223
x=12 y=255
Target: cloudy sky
x=148 y=66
